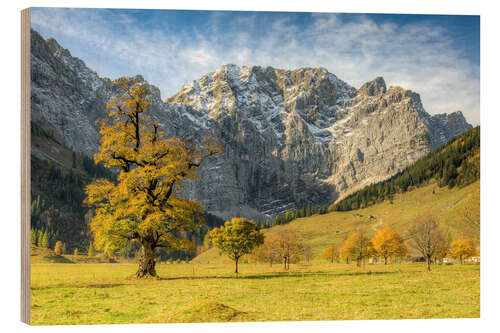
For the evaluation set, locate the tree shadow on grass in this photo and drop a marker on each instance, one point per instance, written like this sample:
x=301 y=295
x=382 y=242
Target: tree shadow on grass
x=275 y=275
x=90 y=285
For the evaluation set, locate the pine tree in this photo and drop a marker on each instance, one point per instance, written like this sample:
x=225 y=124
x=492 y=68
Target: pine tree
x=45 y=240
x=34 y=237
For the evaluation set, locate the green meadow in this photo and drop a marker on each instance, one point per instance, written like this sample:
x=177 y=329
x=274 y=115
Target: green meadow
x=189 y=292
x=86 y=290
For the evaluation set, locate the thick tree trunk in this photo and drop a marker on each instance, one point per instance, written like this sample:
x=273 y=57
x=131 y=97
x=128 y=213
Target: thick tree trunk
x=428 y=263
x=147 y=261
x=385 y=260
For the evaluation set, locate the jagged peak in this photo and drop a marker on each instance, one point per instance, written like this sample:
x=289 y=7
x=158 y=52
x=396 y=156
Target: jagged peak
x=374 y=87
x=55 y=47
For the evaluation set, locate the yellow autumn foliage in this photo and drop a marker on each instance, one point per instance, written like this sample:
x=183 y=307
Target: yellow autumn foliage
x=388 y=244
x=146 y=201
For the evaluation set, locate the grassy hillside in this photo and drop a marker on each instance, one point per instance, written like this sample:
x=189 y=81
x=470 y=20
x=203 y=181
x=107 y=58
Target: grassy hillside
x=455 y=164
x=319 y=231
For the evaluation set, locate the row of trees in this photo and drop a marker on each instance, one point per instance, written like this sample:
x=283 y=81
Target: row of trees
x=46 y=240
x=240 y=237
x=425 y=236
x=291 y=215
x=41 y=238
x=455 y=164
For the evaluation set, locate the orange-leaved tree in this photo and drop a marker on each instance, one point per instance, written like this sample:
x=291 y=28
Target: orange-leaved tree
x=237 y=238
x=288 y=247
x=462 y=248
x=58 y=248
x=269 y=251
x=331 y=253
x=146 y=203
x=388 y=244
x=356 y=247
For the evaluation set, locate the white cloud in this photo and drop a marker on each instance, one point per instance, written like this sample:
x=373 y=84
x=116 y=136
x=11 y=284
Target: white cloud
x=416 y=56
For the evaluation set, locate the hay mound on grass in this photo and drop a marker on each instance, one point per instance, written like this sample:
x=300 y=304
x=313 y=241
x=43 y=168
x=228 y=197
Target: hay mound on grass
x=207 y=311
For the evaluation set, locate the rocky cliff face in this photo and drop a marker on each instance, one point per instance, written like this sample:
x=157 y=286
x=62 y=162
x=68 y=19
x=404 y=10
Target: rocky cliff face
x=290 y=137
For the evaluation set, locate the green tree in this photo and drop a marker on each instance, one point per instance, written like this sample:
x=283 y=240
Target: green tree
x=40 y=238
x=45 y=240
x=237 y=238
x=34 y=237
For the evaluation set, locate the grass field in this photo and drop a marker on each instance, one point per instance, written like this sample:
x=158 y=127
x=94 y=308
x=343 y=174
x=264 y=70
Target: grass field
x=82 y=290
x=189 y=292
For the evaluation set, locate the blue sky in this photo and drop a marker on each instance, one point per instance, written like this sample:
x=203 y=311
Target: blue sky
x=434 y=55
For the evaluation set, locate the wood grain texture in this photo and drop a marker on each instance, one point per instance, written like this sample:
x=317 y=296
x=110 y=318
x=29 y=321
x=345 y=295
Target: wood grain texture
x=25 y=165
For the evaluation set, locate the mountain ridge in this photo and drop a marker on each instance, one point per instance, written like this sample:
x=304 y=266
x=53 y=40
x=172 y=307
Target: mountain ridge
x=290 y=136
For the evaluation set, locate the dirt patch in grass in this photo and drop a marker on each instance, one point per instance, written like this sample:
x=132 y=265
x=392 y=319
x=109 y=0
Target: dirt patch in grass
x=207 y=311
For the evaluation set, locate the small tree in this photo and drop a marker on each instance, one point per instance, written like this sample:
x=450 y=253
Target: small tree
x=388 y=244
x=45 y=240
x=269 y=251
x=307 y=252
x=91 y=251
x=427 y=237
x=356 y=247
x=34 y=237
x=236 y=238
x=58 y=248
x=463 y=248
x=287 y=247
x=39 y=238
x=331 y=253
x=207 y=244
x=75 y=252
x=64 y=248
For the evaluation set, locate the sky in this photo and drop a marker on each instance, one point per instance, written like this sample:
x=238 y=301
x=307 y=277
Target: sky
x=437 y=56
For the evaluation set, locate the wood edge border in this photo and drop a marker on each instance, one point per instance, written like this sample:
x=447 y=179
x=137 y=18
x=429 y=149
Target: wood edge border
x=25 y=165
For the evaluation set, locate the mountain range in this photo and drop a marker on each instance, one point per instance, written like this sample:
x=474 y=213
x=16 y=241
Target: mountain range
x=290 y=137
